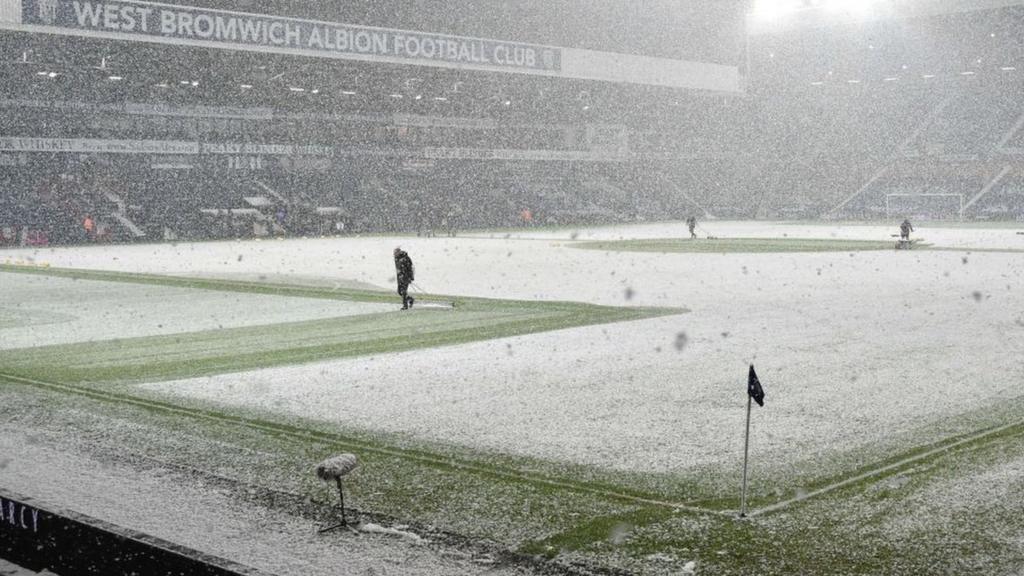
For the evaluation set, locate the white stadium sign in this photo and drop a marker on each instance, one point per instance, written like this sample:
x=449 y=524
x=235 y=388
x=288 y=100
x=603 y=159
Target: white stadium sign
x=97 y=146
x=145 y=19
x=193 y=26
x=233 y=149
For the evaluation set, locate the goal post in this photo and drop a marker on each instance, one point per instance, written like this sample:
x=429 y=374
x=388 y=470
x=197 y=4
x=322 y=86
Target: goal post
x=925 y=206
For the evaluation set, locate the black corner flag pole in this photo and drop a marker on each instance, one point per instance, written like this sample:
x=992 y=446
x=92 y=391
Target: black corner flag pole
x=754 y=394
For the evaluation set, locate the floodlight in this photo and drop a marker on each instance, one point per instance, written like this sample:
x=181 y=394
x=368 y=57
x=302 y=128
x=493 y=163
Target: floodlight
x=774 y=9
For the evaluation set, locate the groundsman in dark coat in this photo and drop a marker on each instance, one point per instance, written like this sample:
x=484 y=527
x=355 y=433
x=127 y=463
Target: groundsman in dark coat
x=905 y=229
x=405 y=275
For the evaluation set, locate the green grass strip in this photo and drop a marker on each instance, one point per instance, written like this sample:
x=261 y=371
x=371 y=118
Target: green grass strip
x=736 y=245
x=204 y=353
x=176 y=356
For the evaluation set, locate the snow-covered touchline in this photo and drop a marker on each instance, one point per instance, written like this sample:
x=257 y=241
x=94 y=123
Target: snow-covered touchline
x=508 y=474
x=883 y=330
x=980 y=435
x=512 y=474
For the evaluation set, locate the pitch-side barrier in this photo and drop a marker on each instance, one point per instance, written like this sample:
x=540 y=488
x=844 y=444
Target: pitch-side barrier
x=40 y=537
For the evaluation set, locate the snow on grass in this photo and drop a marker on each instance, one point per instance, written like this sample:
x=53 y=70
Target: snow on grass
x=967 y=487
x=854 y=348
x=736 y=245
x=371 y=528
x=540 y=268
x=868 y=350
x=426 y=496
x=180 y=508
x=40 y=310
x=939 y=234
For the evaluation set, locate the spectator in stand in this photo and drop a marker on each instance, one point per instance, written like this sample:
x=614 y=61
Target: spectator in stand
x=281 y=216
x=526 y=216
x=89 y=226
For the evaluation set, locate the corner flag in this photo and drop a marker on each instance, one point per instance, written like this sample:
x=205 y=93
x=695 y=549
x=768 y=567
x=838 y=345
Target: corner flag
x=755 y=393
x=754 y=387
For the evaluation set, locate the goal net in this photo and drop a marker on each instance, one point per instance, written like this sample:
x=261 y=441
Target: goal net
x=925 y=206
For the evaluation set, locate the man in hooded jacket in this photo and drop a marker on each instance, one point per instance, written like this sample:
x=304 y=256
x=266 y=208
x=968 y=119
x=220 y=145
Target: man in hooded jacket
x=905 y=229
x=404 y=274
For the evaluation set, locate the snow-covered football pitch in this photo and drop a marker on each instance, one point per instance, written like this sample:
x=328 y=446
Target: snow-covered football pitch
x=585 y=398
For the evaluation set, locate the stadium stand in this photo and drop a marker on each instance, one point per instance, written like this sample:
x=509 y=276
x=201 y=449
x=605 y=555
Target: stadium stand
x=859 y=113
x=191 y=141
x=1006 y=197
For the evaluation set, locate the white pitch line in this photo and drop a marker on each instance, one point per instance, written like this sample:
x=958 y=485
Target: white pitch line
x=505 y=473
x=853 y=480
x=515 y=475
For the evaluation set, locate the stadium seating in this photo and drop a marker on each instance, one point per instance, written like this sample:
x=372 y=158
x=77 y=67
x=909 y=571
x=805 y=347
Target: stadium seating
x=361 y=148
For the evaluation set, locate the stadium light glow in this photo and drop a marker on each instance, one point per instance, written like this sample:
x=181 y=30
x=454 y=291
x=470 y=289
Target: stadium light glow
x=778 y=10
x=348 y=93
x=775 y=9
x=115 y=78
x=397 y=96
x=296 y=89
x=245 y=86
x=854 y=8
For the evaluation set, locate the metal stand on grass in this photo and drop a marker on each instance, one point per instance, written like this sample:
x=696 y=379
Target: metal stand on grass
x=335 y=469
x=746 y=452
x=344 y=520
